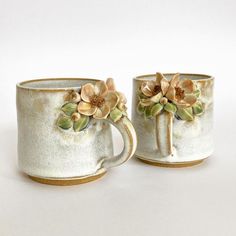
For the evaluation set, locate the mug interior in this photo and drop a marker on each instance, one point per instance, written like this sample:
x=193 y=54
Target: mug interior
x=170 y=75
x=55 y=84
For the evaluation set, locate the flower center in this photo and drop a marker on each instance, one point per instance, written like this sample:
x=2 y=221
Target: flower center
x=97 y=101
x=73 y=96
x=179 y=93
x=157 y=89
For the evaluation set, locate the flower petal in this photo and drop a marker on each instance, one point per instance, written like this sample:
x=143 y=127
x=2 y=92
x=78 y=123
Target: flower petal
x=170 y=93
x=146 y=102
x=111 y=100
x=86 y=108
x=67 y=96
x=175 y=80
x=164 y=85
x=73 y=96
x=87 y=92
x=147 y=88
x=122 y=98
x=181 y=104
x=110 y=84
x=122 y=106
x=190 y=99
x=156 y=98
x=102 y=112
x=159 y=77
x=100 y=88
x=187 y=85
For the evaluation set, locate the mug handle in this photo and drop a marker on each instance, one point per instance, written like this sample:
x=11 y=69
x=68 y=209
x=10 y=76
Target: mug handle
x=164 y=129
x=128 y=133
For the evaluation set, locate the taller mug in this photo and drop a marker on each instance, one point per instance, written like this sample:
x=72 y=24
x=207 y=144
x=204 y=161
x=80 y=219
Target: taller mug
x=64 y=129
x=173 y=118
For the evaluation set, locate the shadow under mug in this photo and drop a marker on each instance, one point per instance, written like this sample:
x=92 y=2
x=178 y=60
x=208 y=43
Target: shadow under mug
x=51 y=155
x=165 y=140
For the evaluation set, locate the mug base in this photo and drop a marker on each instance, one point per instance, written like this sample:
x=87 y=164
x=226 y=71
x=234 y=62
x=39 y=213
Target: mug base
x=69 y=181
x=169 y=164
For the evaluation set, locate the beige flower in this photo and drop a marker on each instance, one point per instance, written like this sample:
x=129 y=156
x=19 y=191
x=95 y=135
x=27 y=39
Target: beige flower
x=97 y=100
x=72 y=96
x=154 y=90
x=122 y=99
x=181 y=92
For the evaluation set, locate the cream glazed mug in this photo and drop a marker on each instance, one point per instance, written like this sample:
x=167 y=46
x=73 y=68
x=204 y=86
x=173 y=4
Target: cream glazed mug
x=173 y=118
x=64 y=129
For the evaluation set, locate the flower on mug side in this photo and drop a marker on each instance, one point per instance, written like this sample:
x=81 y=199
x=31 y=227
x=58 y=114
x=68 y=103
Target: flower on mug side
x=179 y=97
x=181 y=92
x=72 y=96
x=121 y=105
x=98 y=101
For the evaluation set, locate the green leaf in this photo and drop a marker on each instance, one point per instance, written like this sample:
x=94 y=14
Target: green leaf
x=198 y=108
x=69 y=108
x=185 y=113
x=64 y=122
x=170 y=107
x=197 y=93
x=124 y=113
x=116 y=114
x=140 y=108
x=156 y=109
x=147 y=112
x=81 y=124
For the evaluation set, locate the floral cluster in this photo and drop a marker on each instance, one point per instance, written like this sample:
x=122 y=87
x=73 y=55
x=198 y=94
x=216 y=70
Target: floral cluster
x=98 y=101
x=181 y=97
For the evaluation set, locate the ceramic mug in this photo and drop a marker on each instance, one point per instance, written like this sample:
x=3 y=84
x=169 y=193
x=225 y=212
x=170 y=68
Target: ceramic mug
x=173 y=118
x=64 y=129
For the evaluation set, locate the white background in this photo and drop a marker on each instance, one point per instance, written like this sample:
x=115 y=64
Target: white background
x=100 y=39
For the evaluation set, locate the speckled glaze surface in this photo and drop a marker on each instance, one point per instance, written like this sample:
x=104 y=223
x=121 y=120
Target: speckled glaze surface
x=191 y=141
x=45 y=151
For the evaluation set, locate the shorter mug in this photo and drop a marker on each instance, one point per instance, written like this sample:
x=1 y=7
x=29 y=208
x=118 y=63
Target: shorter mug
x=173 y=118
x=64 y=129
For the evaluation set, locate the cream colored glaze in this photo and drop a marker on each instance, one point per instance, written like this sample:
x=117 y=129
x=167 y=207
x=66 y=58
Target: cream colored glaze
x=191 y=140
x=46 y=151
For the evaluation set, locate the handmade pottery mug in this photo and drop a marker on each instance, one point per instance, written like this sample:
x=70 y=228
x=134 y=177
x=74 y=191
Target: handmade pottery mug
x=64 y=129
x=172 y=115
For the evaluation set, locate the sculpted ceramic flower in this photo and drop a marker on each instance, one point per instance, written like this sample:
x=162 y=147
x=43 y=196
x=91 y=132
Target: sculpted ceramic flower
x=153 y=91
x=72 y=96
x=122 y=99
x=98 y=101
x=179 y=97
x=181 y=92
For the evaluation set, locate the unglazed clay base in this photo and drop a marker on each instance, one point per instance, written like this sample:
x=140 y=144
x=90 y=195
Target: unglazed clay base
x=169 y=164
x=69 y=181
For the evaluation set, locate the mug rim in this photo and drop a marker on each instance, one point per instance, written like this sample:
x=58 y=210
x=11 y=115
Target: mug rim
x=205 y=76
x=22 y=84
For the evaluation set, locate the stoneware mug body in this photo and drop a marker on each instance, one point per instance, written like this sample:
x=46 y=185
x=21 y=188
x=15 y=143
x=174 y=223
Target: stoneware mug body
x=52 y=155
x=172 y=132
